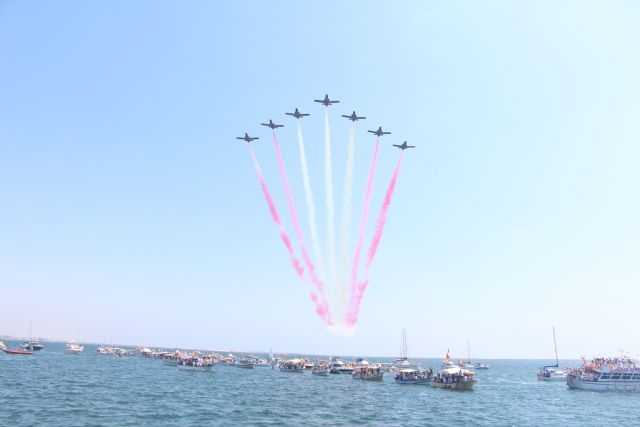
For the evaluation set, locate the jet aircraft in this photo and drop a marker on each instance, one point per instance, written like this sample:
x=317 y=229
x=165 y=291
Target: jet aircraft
x=247 y=138
x=271 y=125
x=404 y=146
x=379 y=132
x=353 y=117
x=297 y=114
x=326 y=101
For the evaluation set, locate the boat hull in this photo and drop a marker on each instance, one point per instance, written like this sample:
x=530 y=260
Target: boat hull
x=22 y=352
x=602 y=385
x=461 y=385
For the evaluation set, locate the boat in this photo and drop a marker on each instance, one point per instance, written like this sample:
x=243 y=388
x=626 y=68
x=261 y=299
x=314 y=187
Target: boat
x=414 y=376
x=73 y=348
x=467 y=364
x=196 y=364
x=321 y=368
x=446 y=362
x=481 y=366
x=245 y=363
x=366 y=371
x=552 y=372
x=17 y=351
x=455 y=378
x=402 y=362
x=339 y=367
x=32 y=345
x=292 y=365
x=606 y=374
x=2 y=345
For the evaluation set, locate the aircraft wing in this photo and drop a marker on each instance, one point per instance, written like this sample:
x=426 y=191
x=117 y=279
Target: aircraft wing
x=305 y=114
x=290 y=114
x=395 y=145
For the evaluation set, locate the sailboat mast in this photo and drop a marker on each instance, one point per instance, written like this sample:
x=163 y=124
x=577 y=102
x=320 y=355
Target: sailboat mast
x=555 y=346
x=468 y=353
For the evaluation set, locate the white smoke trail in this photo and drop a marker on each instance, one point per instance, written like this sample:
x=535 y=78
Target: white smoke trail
x=345 y=219
x=311 y=208
x=331 y=244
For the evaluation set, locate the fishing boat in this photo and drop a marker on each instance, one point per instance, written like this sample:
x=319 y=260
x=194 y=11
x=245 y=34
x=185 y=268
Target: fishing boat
x=196 y=364
x=414 y=376
x=367 y=371
x=292 y=365
x=321 y=368
x=454 y=379
x=606 y=374
x=245 y=363
x=339 y=367
x=552 y=372
x=17 y=351
x=73 y=348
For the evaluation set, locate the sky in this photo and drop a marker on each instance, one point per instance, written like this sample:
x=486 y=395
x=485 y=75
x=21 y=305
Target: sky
x=129 y=213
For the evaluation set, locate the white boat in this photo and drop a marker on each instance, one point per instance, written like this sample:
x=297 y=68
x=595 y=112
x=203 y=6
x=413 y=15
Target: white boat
x=414 y=376
x=339 y=367
x=2 y=345
x=617 y=374
x=73 y=348
x=321 y=368
x=552 y=372
x=454 y=379
x=479 y=366
x=402 y=362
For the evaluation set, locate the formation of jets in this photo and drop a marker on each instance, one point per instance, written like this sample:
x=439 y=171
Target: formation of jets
x=326 y=102
x=297 y=114
x=353 y=117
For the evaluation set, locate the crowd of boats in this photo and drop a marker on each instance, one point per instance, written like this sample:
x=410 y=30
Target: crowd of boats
x=601 y=374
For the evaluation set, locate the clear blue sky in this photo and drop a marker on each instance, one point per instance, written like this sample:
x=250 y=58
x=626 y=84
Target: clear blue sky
x=129 y=212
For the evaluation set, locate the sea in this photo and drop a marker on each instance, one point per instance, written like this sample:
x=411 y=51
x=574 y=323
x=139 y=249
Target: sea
x=51 y=388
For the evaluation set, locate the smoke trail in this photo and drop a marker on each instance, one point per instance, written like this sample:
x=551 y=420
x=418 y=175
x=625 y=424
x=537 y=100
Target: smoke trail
x=321 y=308
x=363 y=220
x=276 y=217
x=331 y=244
x=354 y=304
x=294 y=219
x=311 y=208
x=345 y=219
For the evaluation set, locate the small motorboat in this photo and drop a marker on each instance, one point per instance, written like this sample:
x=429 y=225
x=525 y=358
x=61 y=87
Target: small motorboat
x=17 y=351
x=321 y=369
x=293 y=365
x=454 y=379
x=32 y=346
x=366 y=371
x=73 y=348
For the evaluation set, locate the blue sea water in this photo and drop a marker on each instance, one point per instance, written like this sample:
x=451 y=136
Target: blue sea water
x=55 y=389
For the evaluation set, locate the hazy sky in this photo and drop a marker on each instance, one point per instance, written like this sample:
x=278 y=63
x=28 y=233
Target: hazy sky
x=130 y=213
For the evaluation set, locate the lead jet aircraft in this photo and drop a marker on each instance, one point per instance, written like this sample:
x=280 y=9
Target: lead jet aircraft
x=326 y=101
x=379 y=132
x=247 y=138
x=404 y=146
x=353 y=117
x=271 y=125
x=297 y=114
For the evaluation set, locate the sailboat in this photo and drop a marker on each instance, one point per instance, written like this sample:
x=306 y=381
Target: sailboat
x=31 y=345
x=467 y=364
x=552 y=372
x=402 y=362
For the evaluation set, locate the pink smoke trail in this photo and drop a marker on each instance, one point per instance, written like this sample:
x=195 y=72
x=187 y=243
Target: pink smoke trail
x=356 y=299
x=322 y=307
x=363 y=221
x=276 y=217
